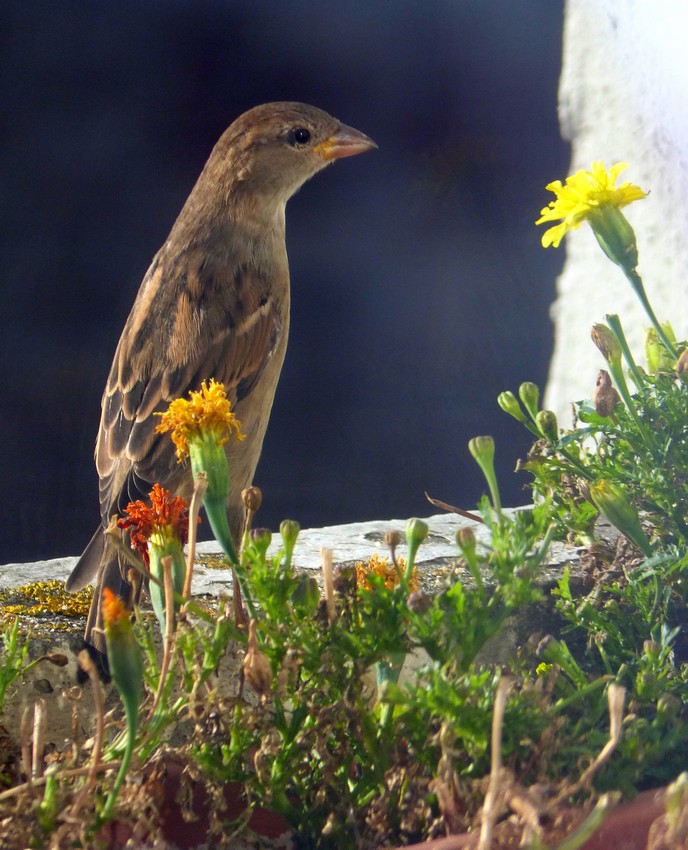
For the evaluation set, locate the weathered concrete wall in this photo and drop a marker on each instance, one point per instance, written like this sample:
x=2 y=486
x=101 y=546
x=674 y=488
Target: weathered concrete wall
x=623 y=97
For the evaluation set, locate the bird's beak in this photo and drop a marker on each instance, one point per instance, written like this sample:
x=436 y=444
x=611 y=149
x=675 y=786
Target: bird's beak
x=345 y=142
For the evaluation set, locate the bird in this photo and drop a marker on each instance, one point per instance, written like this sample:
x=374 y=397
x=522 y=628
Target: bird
x=214 y=303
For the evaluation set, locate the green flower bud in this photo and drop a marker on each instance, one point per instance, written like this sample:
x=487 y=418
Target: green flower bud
x=289 y=531
x=530 y=396
x=126 y=668
x=465 y=539
x=416 y=532
x=483 y=449
x=509 y=404
x=657 y=356
x=669 y=706
x=124 y=653
x=613 y=502
x=261 y=538
x=546 y=421
x=615 y=236
x=652 y=649
x=675 y=801
x=306 y=593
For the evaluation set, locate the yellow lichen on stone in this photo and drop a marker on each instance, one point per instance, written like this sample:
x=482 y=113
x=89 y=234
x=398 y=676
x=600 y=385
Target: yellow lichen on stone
x=44 y=597
x=213 y=562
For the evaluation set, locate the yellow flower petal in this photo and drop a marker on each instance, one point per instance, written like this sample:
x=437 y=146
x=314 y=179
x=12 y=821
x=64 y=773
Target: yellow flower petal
x=382 y=567
x=206 y=411
x=584 y=195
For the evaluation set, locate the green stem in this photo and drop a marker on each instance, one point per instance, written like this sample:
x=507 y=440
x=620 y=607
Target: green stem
x=581 y=693
x=132 y=722
x=416 y=532
x=388 y=671
x=616 y=368
x=577 y=465
x=216 y=511
x=615 y=324
x=639 y=288
x=589 y=826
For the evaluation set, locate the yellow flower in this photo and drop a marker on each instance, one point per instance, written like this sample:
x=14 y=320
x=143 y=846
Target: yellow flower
x=387 y=571
x=583 y=197
x=206 y=411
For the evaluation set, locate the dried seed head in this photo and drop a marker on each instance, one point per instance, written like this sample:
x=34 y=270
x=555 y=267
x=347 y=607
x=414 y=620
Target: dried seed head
x=584 y=489
x=607 y=343
x=605 y=398
x=256 y=667
x=252 y=499
x=392 y=539
x=419 y=602
x=344 y=580
x=682 y=364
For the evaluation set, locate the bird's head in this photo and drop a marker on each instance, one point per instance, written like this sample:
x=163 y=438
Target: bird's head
x=270 y=151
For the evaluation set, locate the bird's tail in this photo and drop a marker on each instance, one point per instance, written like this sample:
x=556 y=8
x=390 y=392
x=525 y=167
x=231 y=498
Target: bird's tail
x=99 y=561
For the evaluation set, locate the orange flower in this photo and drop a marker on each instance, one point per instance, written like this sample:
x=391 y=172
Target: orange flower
x=166 y=517
x=207 y=411
x=387 y=571
x=114 y=609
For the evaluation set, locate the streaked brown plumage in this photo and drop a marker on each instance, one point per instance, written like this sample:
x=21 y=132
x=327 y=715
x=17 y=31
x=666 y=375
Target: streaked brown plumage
x=213 y=304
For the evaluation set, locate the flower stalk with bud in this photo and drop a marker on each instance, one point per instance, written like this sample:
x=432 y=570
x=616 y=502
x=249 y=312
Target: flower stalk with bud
x=200 y=426
x=126 y=668
x=157 y=532
x=613 y=502
x=483 y=450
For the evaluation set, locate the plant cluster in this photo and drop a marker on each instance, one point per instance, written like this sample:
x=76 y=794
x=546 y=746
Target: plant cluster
x=320 y=726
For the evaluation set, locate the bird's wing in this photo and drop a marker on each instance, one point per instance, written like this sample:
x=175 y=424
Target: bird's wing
x=190 y=322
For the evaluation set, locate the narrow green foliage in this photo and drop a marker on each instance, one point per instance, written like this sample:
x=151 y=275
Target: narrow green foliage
x=13 y=654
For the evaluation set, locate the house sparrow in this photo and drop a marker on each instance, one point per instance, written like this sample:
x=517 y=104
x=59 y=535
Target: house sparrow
x=213 y=304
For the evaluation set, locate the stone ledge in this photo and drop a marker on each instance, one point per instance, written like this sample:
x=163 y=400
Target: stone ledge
x=436 y=560
x=352 y=542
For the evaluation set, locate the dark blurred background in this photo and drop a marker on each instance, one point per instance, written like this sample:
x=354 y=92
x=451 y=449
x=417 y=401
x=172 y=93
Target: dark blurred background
x=420 y=289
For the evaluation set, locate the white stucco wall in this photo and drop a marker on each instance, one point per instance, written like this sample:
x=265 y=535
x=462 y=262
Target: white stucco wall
x=623 y=97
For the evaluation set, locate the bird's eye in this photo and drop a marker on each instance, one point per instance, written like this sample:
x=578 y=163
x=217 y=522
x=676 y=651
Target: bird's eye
x=299 y=136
